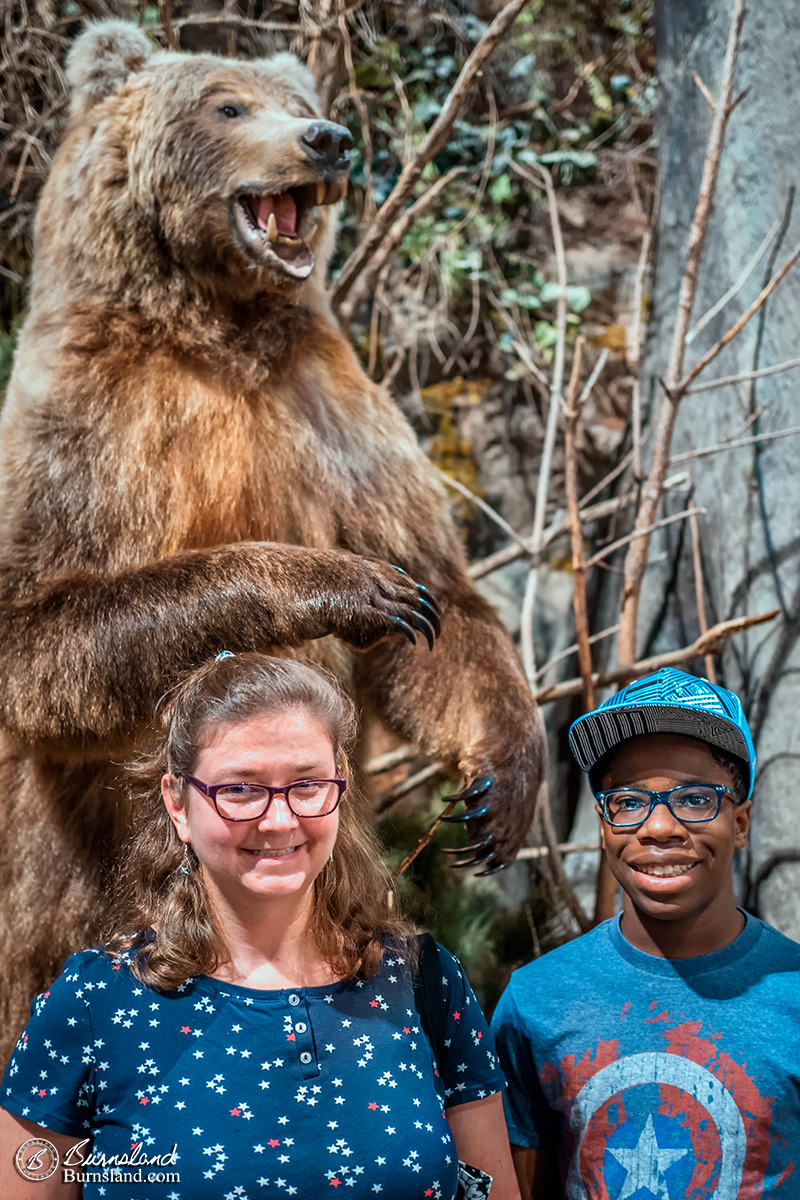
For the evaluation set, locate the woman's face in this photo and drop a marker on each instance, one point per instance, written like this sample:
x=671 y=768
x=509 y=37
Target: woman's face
x=279 y=856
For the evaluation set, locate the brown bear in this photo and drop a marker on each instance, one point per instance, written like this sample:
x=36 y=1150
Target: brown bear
x=192 y=459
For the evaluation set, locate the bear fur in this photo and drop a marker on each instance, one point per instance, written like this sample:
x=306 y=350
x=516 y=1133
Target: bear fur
x=192 y=459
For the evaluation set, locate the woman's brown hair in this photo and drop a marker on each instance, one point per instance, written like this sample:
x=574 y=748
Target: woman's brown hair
x=351 y=915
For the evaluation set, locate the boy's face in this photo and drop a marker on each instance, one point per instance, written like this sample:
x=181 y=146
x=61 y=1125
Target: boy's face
x=703 y=851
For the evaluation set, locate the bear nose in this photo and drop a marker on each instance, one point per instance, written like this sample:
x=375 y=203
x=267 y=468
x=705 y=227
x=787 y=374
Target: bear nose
x=326 y=143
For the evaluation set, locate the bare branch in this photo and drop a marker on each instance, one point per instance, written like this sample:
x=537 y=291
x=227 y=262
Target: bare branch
x=635 y=354
x=343 y=303
x=544 y=819
x=636 y=558
x=528 y=852
x=726 y=380
x=389 y=760
x=739 y=283
x=708 y=643
x=562 y=654
x=608 y=550
x=704 y=90
x=734 y=444
x=734 y=329
x=698 y=587
x=543 y=480
x=578 y=552
x=423 y=841
x=492 y=513
x=388 y=798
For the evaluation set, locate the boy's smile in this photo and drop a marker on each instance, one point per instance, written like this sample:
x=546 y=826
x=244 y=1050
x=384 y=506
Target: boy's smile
x=676 y=876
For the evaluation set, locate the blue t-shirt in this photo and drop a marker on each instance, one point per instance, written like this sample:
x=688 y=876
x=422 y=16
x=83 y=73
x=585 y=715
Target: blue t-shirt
x=658 y=1079
x=264 y=1094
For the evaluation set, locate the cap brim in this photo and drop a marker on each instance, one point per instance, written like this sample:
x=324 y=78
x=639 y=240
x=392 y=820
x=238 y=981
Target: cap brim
x=594 y=735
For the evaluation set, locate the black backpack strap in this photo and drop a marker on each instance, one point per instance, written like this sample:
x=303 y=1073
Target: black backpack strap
x=429 y=994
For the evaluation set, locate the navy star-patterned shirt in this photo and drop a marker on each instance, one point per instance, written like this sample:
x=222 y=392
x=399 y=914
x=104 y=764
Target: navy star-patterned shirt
x=262 y=1094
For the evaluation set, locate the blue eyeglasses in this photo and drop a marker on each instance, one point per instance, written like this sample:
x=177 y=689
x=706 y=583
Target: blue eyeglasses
x=689 y=803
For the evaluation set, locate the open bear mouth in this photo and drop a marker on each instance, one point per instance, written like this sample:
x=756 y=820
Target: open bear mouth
x=280 y=223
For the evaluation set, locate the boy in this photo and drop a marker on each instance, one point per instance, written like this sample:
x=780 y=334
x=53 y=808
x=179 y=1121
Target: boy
x=656 y=1058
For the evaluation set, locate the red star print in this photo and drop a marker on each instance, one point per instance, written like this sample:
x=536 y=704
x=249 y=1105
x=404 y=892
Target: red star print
x=236 y=1112
x=290 y=1037
x=406 y=1029
x=46 y=995
x=480 y=1035
x=145 y=1100
x=274 y=1142
x=373 y=1106
x=115 y=967
x=457 y=1016
x=42 y=1092
x=185 y=1029
x=373 y=1003
x=335 y=1182
x=428 y=1192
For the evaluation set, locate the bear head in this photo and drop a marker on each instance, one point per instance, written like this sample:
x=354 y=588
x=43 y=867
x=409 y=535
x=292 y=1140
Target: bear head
x=183 y=173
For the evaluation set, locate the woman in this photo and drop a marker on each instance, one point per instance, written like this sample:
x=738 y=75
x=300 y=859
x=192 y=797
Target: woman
x=259 y=1038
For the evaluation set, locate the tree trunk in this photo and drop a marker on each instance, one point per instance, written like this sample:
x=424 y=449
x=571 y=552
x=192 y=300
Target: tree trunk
x=750 y=537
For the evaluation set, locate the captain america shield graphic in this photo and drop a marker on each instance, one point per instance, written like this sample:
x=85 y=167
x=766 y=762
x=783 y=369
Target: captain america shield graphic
x=682 y=1122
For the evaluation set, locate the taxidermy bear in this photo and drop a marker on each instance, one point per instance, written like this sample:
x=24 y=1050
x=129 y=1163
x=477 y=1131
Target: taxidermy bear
x=191 y=459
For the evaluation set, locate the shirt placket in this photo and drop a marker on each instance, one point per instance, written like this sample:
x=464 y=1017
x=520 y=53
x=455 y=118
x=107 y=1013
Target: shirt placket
x=303 y=1035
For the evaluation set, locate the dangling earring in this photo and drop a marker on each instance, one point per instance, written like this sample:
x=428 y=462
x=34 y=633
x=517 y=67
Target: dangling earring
x=186 y=865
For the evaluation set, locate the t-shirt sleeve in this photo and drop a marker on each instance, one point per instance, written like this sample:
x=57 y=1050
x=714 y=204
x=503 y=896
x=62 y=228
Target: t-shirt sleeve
x=530 y=1120
x=48 y=1079
x=467 y=1062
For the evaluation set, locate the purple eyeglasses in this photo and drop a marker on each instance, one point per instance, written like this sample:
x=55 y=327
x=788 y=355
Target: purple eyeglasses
x=250 y=801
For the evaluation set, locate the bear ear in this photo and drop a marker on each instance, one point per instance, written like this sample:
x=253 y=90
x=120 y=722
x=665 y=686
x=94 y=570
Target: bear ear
x=103 y=57
x=289 y=69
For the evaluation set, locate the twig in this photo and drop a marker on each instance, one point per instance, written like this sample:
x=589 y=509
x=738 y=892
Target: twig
x=743 y=378
x=734 y=329
x=361 y=109
x=698 y=587
x=343 y=301
x=562 y=654
x=635 y=354
x=545 y=463
x=608 y=550
x=605 y=883
x=528 y=852
x=576 y=533
x=165 y=17
x=708 y=643
x=636 y=558
x=738 y=284
x=423 y=841
x=597 y=371
x=545 y=821
x=704 y=90
x=392 y=239
x=734 y=444
x=389 y=760
x=388 y=798
x=492 y=513
x=593 y=512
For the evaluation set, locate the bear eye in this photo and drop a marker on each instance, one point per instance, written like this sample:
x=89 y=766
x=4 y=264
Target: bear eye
x=230 y=111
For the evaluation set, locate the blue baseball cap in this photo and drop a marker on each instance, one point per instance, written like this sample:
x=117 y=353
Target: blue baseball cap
x=668 y=702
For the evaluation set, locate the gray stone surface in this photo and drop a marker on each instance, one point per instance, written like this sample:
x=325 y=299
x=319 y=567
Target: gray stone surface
x=751 y=534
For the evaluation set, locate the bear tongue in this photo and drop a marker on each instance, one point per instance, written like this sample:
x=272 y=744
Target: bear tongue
x=285 y=210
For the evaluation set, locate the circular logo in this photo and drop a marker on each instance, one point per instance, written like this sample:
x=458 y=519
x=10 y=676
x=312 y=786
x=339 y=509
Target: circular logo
x=36 y=1159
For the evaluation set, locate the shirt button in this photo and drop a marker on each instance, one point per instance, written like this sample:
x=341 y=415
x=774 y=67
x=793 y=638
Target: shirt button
x=294 y=999
x=301 y=1027
x=305 y=1057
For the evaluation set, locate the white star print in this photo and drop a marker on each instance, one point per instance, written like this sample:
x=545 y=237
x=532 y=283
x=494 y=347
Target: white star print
x=646 y=1164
